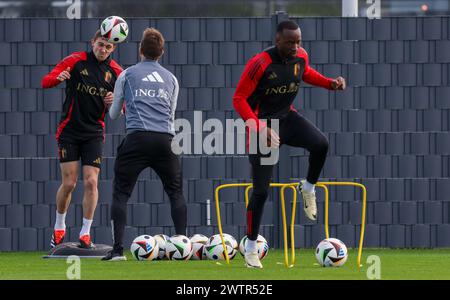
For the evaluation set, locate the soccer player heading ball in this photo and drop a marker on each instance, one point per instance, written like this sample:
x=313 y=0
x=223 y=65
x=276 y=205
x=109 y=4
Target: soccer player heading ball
x=90 y=78
x=266 y=90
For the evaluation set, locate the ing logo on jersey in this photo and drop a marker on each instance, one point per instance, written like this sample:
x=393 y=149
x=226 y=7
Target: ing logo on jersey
x=283 y=89
x=91 y=90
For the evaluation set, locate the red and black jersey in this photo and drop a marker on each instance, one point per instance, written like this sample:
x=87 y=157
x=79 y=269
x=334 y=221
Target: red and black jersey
x=83 y=109
x=269 y=85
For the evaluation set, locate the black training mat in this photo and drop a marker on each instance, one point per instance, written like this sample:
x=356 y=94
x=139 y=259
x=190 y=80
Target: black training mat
x=65 y=250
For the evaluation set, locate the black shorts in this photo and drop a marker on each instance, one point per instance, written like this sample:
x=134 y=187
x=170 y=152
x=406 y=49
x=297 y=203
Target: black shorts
x=90 y=152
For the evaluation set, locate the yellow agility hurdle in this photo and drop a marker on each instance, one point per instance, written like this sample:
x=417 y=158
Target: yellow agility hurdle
x=283 y=186
x=293 y=187
x=249 y=186
x=324 y=185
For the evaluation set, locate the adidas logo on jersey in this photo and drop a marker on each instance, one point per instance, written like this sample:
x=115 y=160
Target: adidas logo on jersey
x=272 y=75
x=84 y=72
x=153 y=77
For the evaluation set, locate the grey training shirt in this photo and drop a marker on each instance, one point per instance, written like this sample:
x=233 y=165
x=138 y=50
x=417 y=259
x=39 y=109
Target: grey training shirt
x=150 y=93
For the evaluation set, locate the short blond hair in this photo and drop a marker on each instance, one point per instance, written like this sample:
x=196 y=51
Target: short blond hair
x=152 y=44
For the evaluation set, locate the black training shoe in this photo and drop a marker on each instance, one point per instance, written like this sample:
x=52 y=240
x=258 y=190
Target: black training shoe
x=115 y=255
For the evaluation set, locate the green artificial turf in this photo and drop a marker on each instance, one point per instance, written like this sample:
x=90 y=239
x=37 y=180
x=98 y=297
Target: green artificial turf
x=394 y=264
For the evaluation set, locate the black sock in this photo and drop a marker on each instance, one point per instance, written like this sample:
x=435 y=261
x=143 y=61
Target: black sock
x=179 y=217
x=255 y=211
x=118 y=219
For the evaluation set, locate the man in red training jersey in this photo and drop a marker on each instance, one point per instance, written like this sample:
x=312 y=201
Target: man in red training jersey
x=90 y=78
x=266 y=90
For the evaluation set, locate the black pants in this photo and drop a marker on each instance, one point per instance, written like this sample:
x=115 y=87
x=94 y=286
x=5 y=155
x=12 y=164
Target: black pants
x=138 y=151
x=296 y=131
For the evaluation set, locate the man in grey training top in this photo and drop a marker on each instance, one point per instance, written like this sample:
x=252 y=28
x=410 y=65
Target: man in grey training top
x=150 y=94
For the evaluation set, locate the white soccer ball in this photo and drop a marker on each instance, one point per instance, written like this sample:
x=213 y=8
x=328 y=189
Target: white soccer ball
x=331 y=253
x=178 y=247
x=214 y=248
x=198 y=244
x=144 y=247
x=161 y=239
x=261 y=245
x=114 y=29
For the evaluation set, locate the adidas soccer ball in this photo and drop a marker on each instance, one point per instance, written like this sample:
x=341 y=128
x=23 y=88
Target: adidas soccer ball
x=144 y=247
x=214 y=248
x=331 y=253
x=261 y=245
x=178 y=247
x=161 y=239
x=114 y=29
x=198 y=244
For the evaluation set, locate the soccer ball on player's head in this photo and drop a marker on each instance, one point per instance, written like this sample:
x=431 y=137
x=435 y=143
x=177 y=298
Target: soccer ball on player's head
x=198 y=244
x=214 y=248
x=144 y=247
x=261 y=245
x=331 y=253
x=114 y=29
x=161 y=239
x=178 y=247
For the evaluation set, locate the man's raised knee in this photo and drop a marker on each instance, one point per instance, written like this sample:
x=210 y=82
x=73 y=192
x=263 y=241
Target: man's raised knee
x=321 y=145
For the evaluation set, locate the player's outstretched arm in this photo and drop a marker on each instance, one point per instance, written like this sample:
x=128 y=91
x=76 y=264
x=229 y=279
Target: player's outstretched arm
x=61 y=71
x=311 y=76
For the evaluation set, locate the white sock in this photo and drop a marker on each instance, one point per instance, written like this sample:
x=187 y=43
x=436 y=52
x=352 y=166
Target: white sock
x=309 y=187
x=251 y=246
x=60 y=223
x=86 y=227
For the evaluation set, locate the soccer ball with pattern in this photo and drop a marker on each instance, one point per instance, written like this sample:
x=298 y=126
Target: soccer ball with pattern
x=261 y=245
x=214 y=248
x=198 y=244
x=331 y=253
x=114 y=29
x=161 y=239
x=178 y=247
x=144 y=247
